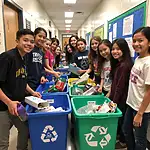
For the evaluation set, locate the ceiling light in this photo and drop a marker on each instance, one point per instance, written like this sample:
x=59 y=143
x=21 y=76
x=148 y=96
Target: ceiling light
x=68 y=25
x=69 y=14
x=67 y=28
x=69 y=1
x=68 y=21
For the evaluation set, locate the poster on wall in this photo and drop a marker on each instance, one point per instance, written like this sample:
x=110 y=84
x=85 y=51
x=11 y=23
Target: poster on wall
x=28 y=24
x=99 y=32
x=128 y=25
x=87 y=38
x=129 y=41
x=110 y=36
x=114 y=31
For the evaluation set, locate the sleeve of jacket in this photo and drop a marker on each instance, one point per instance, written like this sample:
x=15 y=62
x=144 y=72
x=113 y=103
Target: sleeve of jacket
x=43 y=73
x=122 y=84
x=5 y=64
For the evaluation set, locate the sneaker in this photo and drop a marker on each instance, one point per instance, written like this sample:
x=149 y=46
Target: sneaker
x=117 y=138
x=120 y=145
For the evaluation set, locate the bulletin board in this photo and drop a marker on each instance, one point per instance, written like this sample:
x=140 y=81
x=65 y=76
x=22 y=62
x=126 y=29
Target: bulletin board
x=125 y=24
x=99 y=32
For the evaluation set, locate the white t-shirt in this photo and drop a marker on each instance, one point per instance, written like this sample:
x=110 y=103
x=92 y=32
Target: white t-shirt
x=105 y=74
x=139 y=77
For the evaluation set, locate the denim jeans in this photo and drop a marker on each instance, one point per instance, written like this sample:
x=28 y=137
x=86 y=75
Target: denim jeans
x=136 y=137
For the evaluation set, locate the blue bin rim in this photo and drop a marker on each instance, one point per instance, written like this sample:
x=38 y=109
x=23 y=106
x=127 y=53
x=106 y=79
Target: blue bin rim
x=40 y=114
x=53 y=93
x=96 y=115
x=63 y=75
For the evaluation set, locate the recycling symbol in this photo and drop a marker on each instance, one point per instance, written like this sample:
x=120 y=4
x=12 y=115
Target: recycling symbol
x=102 y=131
x=49 y=134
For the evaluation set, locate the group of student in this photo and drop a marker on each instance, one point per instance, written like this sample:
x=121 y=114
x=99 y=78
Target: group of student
x=125 y=82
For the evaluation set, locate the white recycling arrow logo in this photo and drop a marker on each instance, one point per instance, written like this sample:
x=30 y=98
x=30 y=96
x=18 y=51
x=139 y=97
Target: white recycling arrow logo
x=49 y=134
x=102 y=131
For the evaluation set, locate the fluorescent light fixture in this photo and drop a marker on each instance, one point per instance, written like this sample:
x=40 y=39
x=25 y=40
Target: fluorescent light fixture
x=68 y=21
x=70 y=1
x=67 y=28
x=68 y=25
x=69 y=14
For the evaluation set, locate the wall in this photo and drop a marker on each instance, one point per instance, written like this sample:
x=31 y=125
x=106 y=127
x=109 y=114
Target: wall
x=34 y=13
x=107 y=10
x=2 y=43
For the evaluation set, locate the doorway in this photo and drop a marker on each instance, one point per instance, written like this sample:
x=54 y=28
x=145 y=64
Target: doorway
x=13 y=21
x=11 y=26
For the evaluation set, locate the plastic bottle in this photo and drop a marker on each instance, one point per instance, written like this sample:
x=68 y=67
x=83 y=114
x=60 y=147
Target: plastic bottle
x=76 y=90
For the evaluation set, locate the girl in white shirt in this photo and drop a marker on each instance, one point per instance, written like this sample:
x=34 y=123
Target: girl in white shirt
x=138 y=101
x=104 y=66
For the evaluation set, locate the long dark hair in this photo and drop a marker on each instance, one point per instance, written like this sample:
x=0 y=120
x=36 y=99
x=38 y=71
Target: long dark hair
x=57 y=60
x=145 y=31
x=126 y=57
x=68 y=55
x=92 y=53
x=100 y=58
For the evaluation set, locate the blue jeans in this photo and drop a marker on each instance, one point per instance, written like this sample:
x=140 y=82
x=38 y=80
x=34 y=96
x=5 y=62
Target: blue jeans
x=136 y=137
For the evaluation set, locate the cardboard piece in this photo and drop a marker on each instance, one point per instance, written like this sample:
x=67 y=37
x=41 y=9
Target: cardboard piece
x=36 y=102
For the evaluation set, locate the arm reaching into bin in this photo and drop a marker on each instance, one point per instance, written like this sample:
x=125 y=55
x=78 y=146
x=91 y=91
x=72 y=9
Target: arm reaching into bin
x=32 y=92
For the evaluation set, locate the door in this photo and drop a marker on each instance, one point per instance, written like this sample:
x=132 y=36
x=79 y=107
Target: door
x=11 y=26
x=65 y=41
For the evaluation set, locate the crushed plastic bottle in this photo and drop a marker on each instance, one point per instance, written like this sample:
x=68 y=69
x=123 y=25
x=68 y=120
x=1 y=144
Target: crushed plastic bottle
x=76 y=90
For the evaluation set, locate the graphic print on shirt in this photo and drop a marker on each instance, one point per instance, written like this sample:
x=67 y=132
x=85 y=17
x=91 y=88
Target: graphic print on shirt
x=37 y=57
x=84 y=61
x=95 y=65
x=134 y=75
x=21 y=72
x=107 y=76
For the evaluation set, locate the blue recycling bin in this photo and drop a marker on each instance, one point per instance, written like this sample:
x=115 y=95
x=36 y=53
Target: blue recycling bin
x=45 y=86
x=50 y=77
x=48 y=130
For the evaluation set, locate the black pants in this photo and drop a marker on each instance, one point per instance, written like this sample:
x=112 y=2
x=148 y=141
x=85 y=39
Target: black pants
x=122 y=107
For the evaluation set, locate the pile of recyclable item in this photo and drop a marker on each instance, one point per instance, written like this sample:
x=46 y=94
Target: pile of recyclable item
x=87 y=90
x=92 y=108
x=50 y=109
x=58 y=86
x=82 y=80
x=41 y=105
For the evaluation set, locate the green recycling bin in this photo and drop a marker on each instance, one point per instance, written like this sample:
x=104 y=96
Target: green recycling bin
x=94 y=131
